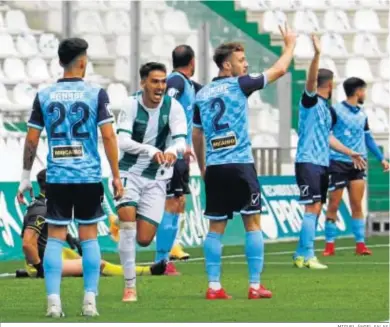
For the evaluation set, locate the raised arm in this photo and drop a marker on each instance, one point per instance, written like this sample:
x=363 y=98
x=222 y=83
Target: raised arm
x=281 y=66
x=311 y=83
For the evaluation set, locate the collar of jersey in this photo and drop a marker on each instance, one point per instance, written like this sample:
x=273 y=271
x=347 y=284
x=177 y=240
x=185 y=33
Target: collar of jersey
x=185 y=76
x=141 y=102
x=70 y=79
x=350 y=107
x=220 y=77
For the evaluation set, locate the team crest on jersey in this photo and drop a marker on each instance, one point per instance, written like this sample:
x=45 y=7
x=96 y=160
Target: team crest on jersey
x=224 y=142
x=172 y=92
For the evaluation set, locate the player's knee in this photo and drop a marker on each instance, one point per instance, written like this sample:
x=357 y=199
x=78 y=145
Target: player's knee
x=173 y=205
x=144 y=240
x=314 y=208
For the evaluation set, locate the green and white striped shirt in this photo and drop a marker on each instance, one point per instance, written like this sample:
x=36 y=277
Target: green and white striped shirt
x=142 y=132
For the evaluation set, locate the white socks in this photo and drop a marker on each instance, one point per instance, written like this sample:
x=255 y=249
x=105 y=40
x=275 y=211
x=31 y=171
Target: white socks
x=127 y=239
x=256 y=286
x=215 y=286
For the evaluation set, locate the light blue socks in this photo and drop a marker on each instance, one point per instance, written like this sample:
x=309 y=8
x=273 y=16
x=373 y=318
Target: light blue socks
x=166 y=235
x=91 y=265
x=330 y=231
x=52 y=266
x=306 y=238
x=213 y=253
x=254 y=251
x=358 y=226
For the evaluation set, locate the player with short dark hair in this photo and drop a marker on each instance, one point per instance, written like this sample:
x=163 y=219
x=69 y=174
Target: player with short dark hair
x=151 y=132
x=352 y=129
x=231 y=182
x=316 y=119
x=34 y=235
x=70 y=111
x=183 y=89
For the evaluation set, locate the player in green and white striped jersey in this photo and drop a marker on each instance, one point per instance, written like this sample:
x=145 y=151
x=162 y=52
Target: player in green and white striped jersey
x=151 y=129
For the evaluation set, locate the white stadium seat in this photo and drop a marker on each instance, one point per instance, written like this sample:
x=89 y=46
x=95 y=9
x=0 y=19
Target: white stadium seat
x=336 y=21
x=24 y=94
x=119 y=5
x=380 y=94
x=366 y=20
x=388 y=41
x=306 y=21
x=117 y=93
x=333 y=45
x=150 y=23
x=117 y=22
x=304 y=47
x=122 y=47
x=260 y=5
x=37 y=70
x=384 y=69
x=97 y=47
x=48 y=45
x=16 y=21
x=122 y=70
x=89 y=5
x=56 y=71
x=162 y=45
x=328 y=63
x=314 y=5
x=173 y=19
x=272 y=20
x=89 y=22
x=382 y=117
x=5 y=103
x=14 y=70
x=359 y=67
x=2 y=22
x=340 y=93
x=284 y=4
x=254 y=101
x=366 y=45
x=7 y=48
x=27 y=45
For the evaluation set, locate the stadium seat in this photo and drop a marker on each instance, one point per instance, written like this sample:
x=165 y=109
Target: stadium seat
x=16 y=21
x=340 y=93
x=314 y=5
x=117 y=93
x=173 y=19
x=384 y=69
x=272 y=20
x=284 y=5
x=306 y=21
x=122 y=47
x=254 y=101
x=48 y=45
x=332 y=45
x=255 y=5
x=359 y=67
x=5 y=102
x=2 y=22
x=366 y=20
x=388 y=42
x=89 y=5
x=53 y=5
x=97 y=46
x=366 y=45
x=37 y=70
x=380 y=94
x=336 y=21
x=56 y=71
x=122 y=70
x=382 y=117
x=328 y=63
x=304 y=48
x=119 y=5
x=27 y=45
x=7 y=48
x=155 y=5
x=150 y=23
x=14 y=70
x=24 y=94
x=162 y=45
x=88 y=22
x=117 y=22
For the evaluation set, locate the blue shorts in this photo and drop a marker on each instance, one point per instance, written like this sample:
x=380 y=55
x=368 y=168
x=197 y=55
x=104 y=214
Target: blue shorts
x=312 y=181
x=341 y=173
x=81 y=201
x=231 y=188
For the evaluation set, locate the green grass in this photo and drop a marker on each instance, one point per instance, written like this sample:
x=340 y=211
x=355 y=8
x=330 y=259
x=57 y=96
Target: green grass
x=353 y=289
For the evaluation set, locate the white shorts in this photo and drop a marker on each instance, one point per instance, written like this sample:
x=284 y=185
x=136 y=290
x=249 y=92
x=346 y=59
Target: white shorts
x=147 y=195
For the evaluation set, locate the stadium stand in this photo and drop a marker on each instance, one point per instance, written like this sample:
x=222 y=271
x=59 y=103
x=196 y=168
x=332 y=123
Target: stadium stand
x=355 y=41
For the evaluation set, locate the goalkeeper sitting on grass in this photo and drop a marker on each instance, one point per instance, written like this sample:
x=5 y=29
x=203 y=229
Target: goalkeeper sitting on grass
x=34 y=234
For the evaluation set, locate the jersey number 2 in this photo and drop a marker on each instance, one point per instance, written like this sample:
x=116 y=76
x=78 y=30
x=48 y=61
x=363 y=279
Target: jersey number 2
x=59 y=109
x=219 y=106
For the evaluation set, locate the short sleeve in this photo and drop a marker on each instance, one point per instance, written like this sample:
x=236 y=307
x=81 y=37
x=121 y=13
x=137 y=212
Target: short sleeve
x=334 y=116
x=36 y=118
x=35 y=222
x=177 y=120
x=197 y=120
x=125 y=119
x=252 y=82
x=105 y=114
x=175 y=87
x=309 y=100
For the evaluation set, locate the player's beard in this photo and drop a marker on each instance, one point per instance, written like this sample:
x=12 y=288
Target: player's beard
x=360 y=101
x=330 y=95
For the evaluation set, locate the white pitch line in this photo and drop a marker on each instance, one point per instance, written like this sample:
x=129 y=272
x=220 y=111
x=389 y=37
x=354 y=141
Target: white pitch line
x=233 y=256
x=281 y=263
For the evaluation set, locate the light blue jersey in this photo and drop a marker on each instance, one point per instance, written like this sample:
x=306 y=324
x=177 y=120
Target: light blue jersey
x=350 y=130
x=70 y=111
x=183 y=90
x=316 y=119
x=221 y=110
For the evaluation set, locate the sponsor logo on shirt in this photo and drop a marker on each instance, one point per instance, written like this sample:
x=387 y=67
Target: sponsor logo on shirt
x=67 y=151
x=224 y=142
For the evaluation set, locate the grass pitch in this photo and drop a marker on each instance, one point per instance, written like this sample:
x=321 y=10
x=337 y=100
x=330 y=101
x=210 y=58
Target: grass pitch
x=353 y=289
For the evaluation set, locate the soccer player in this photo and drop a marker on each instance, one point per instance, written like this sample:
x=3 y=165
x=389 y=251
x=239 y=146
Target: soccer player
x=151 y=131
x=316 y=119
x=34 y=235
x=352 y=130
x=231 y=183
x=71 y=110
x=180 y=87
